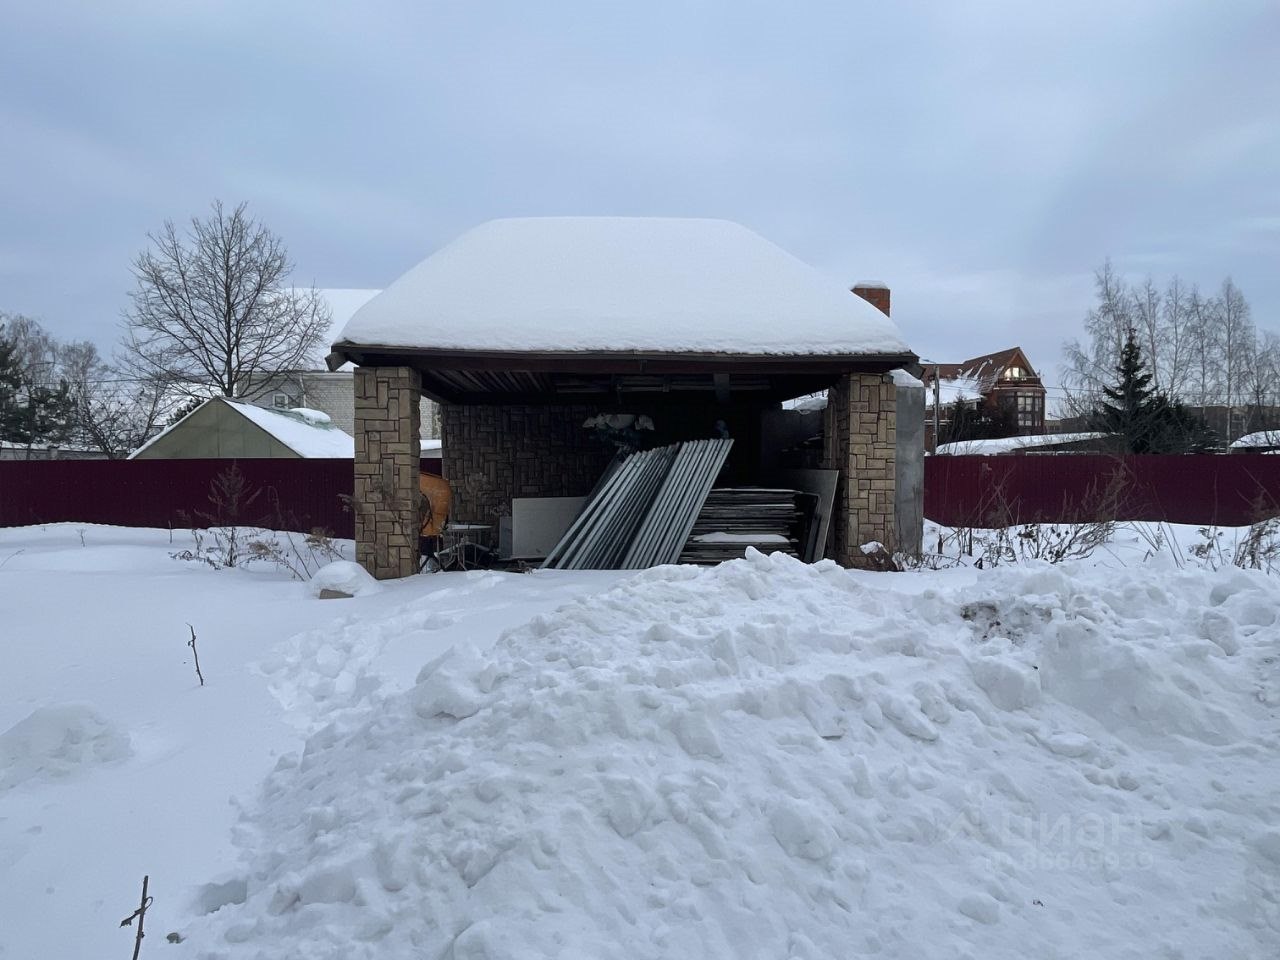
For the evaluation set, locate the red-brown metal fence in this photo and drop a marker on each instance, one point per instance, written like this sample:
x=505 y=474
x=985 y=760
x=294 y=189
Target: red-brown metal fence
x=958 y=491
x=1196 y=488
x=300 y=494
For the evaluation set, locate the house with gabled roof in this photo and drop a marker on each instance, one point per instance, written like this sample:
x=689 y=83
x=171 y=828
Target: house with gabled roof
x=1003 y=381
x=221 y=428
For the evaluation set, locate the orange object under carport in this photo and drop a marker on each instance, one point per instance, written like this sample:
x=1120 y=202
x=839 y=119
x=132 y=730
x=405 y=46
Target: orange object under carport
x=439 y=497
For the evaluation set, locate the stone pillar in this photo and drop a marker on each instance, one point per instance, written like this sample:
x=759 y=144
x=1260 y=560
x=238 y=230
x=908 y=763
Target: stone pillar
x=388 y=460
x=859 y=439
x=909 y=468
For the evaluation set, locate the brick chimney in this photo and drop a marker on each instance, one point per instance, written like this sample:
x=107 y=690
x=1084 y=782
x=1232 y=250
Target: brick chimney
x=876 y=294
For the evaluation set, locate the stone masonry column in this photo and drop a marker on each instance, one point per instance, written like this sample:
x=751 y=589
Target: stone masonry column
x=387 y=501
x=859 y=439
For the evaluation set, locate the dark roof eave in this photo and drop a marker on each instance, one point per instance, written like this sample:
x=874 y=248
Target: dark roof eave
x=605 y=361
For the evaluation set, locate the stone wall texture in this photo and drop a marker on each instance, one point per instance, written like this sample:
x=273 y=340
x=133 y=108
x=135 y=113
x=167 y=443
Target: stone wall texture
x=387 y=502
x=493 y=454
x=859 y=440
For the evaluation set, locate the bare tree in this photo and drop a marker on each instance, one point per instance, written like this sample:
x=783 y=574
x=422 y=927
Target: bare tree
x=115 y=414
x=1260 y=384
x=1175 y=335
x=213 y=308
x=1090 y=365
x=1148 y=326
x=1234 y=340
x=1204 y=364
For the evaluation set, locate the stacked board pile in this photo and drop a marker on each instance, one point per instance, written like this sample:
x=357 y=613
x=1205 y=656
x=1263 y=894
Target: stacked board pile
x=734 y=518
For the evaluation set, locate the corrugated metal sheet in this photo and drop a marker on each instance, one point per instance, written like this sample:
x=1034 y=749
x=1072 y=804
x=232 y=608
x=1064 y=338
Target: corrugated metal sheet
x=641 y=513
x=675 y=508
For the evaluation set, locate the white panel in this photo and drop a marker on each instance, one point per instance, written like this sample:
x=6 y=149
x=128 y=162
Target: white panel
x=538 y=523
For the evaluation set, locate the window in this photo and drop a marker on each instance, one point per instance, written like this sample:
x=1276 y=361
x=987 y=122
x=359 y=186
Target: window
x=1030 y=410
x=282 y=401
x=1014 y=373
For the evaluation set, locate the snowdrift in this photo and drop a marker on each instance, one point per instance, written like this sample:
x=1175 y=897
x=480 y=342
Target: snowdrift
x=768 y=759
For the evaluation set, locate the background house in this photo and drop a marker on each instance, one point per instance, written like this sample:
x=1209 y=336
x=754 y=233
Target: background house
x=525 y=330
x=316 y=387
x=226 y=429
x=1002 y=383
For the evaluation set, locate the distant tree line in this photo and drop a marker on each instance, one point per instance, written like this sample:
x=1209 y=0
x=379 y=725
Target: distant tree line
x=1200 y=350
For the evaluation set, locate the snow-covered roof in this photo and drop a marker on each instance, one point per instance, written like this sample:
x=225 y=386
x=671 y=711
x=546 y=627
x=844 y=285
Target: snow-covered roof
x=342 y=303
x=619 y=284
x=1009 y=444
x=308 y=433
x=977 y=375
x=1262 y=439
x=956 y=389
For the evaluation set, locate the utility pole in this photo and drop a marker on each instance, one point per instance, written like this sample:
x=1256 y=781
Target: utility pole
x=937 y=407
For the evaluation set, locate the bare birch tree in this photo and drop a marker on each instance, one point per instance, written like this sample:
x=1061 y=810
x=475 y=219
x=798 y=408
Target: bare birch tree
x=1148 y=328
x=1234 y=341
x=213 y=307
x=1204 y=365
x=1262 y=386
x=1090 y=365
x=1175 y=336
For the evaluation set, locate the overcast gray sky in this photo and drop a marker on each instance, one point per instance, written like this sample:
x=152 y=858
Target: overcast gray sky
x=980 y=158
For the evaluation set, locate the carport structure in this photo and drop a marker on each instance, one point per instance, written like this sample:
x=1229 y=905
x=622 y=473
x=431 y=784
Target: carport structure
x=524 y=330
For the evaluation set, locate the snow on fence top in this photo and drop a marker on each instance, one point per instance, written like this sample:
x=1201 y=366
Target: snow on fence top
x=1263 y=439
x=620 y=284
x=1009 y=444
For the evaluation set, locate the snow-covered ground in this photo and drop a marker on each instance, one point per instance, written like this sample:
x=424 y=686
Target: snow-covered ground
x=763 y=759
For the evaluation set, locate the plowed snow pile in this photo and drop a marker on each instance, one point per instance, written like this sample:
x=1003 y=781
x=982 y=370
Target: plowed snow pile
x=772 y=760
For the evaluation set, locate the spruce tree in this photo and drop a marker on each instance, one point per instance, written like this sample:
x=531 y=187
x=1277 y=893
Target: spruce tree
x=31 y=414
x=10 y=385
x=1148 y=420
x=1129 y=407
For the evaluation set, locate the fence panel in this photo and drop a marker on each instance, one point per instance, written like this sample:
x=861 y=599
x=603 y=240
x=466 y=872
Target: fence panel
x=1196 y=488
x=958 y=491
x=165 y=493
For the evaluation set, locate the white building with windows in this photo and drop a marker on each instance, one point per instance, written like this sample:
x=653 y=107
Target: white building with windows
x=316 y=388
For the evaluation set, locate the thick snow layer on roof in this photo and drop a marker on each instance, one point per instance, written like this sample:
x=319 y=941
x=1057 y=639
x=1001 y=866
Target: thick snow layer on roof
x=342 y=303
x=1263 y=438
x=955 y=390
x=1007 y=444
x=303 y=434
x=621 y=284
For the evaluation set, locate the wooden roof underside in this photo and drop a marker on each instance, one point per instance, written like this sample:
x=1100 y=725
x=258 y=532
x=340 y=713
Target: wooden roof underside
x=512 y=377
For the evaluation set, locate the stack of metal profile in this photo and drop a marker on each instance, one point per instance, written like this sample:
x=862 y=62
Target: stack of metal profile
x=642 y=511
x=734 y=518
